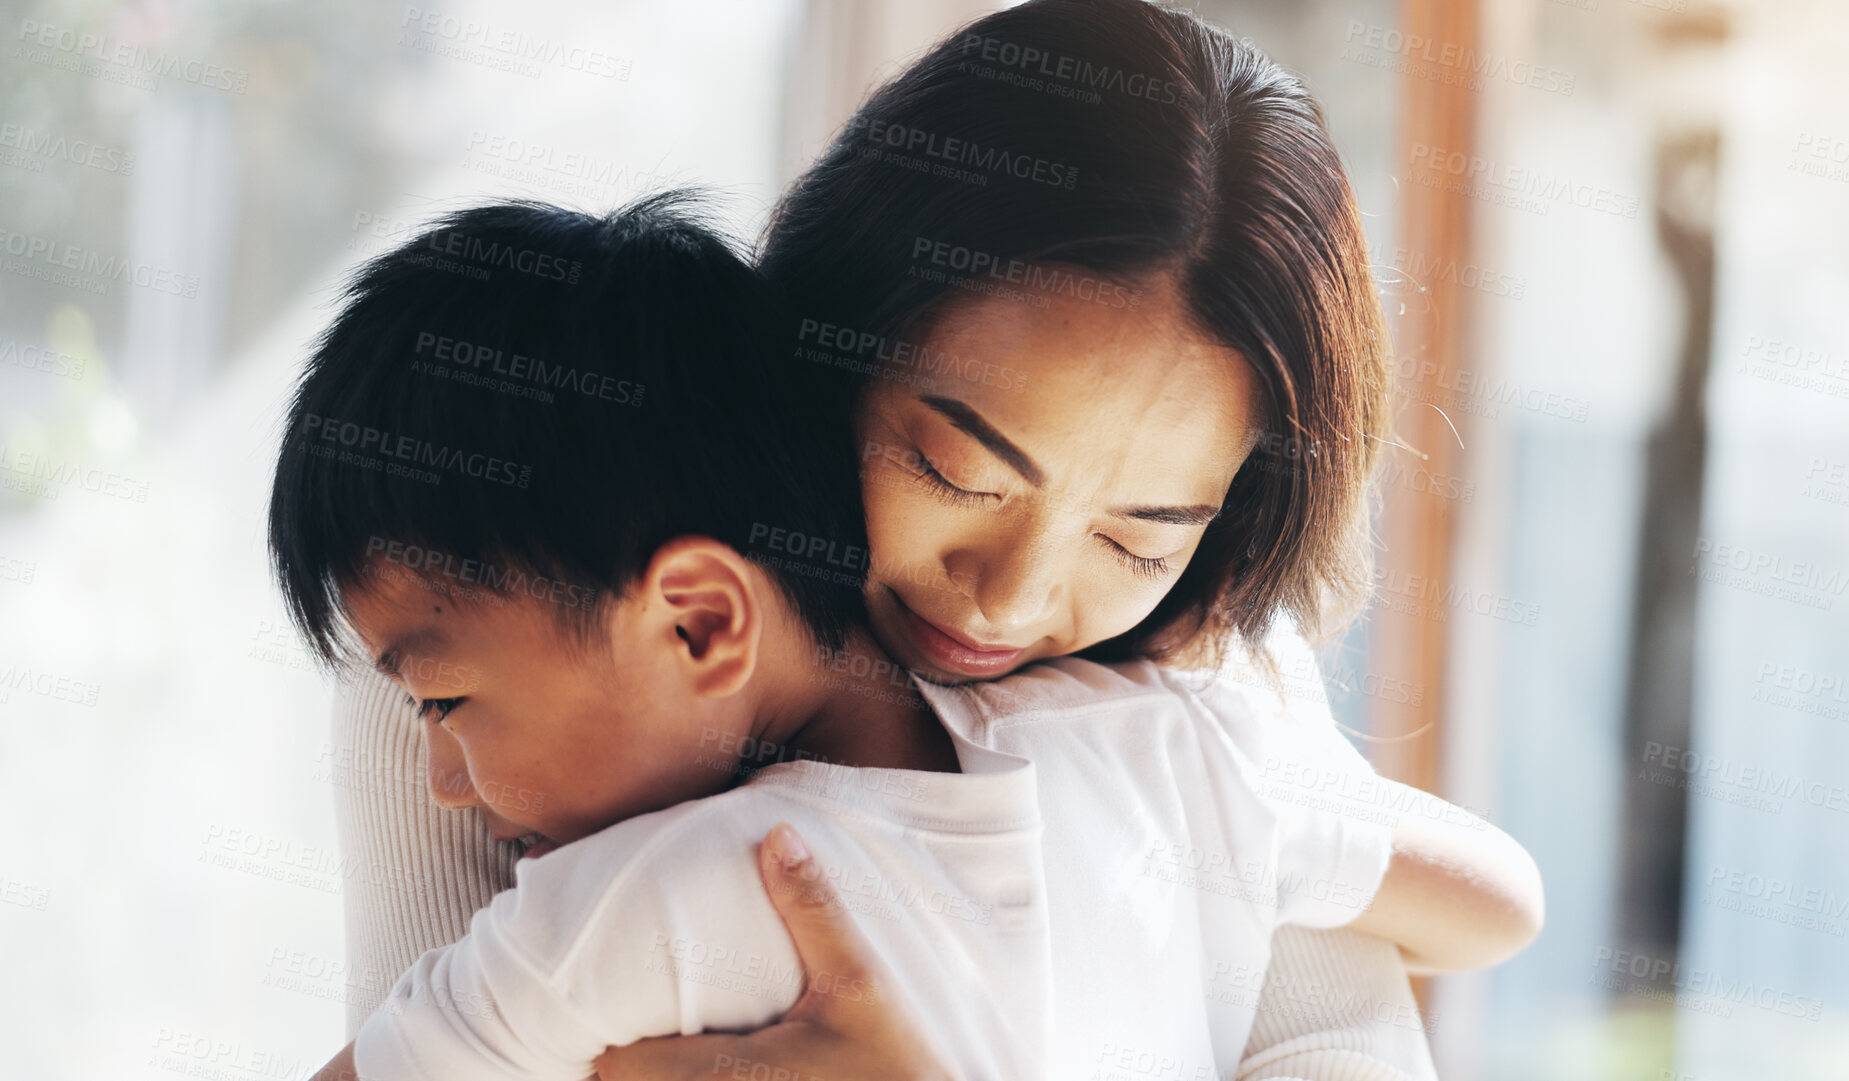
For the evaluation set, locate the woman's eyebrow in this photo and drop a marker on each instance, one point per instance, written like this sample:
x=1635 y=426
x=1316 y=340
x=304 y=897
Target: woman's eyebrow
x=1198 y=514
x=972 y=424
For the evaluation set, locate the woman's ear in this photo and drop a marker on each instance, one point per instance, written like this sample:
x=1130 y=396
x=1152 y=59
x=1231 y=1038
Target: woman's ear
x=703 y=598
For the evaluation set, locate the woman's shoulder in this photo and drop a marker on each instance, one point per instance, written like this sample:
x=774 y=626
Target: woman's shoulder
x=1282 y=670
x=1064 y=685
x=1279 y=680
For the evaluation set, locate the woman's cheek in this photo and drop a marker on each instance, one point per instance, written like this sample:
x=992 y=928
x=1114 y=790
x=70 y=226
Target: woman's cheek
x=893 y=522
x=1110 y=608
x=882 y=492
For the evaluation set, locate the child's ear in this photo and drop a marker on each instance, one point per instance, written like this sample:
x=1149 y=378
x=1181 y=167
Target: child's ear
x=705 y=600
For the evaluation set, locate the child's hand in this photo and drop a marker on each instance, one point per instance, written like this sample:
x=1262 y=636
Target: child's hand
x=1458 y=894
x=869 y=1035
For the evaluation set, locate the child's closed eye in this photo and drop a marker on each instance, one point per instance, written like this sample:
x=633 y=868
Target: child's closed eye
x=442 y=707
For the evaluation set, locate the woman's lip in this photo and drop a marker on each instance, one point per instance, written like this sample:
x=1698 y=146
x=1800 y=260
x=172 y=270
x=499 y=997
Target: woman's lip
x=950 y=650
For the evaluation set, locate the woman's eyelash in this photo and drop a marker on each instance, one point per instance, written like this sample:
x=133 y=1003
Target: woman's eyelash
x=442 y=706
x=1142 y=565
x=942 y=486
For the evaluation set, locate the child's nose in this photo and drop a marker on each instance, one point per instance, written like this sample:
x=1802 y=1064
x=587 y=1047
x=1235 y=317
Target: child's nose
x=448 y=771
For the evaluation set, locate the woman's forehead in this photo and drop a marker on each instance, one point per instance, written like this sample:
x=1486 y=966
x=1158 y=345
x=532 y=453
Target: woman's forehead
x=1079 y=379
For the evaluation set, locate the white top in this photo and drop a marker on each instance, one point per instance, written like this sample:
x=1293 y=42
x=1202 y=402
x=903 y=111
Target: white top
x=1168 y=866
x=1083 y=898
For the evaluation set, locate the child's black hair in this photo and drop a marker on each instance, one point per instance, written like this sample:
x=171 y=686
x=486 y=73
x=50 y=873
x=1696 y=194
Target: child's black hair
x=525 y=399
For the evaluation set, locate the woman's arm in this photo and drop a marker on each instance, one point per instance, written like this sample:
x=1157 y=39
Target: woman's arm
x=417 y=873
x=339 y=1068
x=1336 y=1005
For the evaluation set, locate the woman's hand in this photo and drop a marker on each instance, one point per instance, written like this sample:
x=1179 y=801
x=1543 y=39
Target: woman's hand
x=850 y=1024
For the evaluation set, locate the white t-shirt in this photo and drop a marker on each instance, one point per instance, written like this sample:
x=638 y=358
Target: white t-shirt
x=1083 y=900
x=1167 y=866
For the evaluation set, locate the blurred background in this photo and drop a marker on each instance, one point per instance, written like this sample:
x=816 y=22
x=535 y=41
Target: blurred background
x=1613 y=597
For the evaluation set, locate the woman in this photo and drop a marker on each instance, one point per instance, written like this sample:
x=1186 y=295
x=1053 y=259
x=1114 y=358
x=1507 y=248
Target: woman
x=1119 y=378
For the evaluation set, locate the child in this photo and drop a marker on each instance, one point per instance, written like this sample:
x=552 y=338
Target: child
x=527 y=466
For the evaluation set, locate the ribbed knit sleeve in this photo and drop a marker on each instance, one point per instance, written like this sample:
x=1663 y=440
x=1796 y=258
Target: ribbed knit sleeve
x=418 y=872
x=1336 y=1006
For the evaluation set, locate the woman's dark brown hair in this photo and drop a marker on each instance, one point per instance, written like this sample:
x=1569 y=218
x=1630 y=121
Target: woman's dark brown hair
x=1129 y=140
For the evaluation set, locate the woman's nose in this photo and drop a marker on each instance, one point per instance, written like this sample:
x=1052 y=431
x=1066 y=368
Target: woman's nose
x=1015 y=583
x=448 y=770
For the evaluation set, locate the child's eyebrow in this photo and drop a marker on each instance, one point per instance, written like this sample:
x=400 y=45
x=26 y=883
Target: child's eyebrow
x=391 y=659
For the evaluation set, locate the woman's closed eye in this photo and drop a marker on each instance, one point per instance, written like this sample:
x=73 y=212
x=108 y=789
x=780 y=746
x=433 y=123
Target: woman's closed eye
x=442 y=707
x=944 y=488
x=1157 y=567
x=941 y=485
